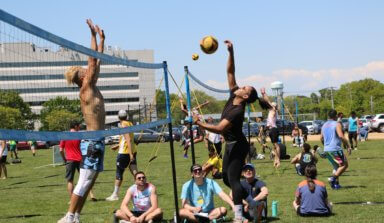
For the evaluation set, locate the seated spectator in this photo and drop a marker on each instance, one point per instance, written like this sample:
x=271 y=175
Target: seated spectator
x=214 y=164
x=311 y=197
x=197 y=198
x=304 y=159
x=297 y=136
x=144 y=200
x=363 y=133
x=255 y=201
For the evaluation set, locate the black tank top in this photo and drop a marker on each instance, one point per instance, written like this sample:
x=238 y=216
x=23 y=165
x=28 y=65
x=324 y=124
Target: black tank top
x=306 y=159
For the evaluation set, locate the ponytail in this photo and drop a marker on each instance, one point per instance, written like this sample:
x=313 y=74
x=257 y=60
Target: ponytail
x=311 y=174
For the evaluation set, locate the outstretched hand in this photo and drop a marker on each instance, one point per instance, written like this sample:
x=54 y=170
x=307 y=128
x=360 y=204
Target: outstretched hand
x=100 y=32
x=91 y=26
x=229 y=45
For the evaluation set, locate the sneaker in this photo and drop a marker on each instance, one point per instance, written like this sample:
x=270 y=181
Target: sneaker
x=185 y=156
x=77 y=219
x=67 y=219
x=113 y=197
x=332 y=182
x=337 y=187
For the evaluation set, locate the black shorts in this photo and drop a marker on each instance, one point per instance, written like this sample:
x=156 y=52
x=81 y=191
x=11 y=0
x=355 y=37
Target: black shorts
x=71 y=167
x=352 y=135
x=3 y=159
x=274 y=135
x=217 y=175
x=137 y=213
x=122 y=162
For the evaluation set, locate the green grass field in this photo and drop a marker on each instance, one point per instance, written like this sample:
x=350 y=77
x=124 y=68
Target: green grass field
x=33 y=194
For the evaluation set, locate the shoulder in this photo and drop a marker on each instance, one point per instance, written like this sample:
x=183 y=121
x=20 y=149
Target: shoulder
x=132 y=188
x=320 y=183
x=302 y=183
x=186 y=184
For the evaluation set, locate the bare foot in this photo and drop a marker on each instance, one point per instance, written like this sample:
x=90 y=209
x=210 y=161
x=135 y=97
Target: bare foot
x=276 y=164
x=100 y=32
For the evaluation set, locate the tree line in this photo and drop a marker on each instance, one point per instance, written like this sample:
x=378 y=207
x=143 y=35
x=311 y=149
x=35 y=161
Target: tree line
x=364 y=97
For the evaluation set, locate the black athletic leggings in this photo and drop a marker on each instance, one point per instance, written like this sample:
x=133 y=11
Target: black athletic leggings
x=233 y=162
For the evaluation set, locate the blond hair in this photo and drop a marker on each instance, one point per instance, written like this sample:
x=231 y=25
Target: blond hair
x=71 y=74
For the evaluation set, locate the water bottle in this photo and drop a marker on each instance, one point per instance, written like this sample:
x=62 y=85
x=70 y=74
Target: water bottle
x=274 y=209
x=174 y=217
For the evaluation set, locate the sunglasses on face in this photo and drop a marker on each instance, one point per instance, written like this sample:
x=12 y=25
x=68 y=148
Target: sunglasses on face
x=197 y=170
x=141 y=178
x=246 y=170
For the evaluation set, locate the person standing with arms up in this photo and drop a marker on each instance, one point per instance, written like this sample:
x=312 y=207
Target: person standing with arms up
x=230 y=126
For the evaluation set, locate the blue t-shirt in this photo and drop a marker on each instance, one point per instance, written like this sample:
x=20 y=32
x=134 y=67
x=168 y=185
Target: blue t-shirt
x=312 y=203
x=352 y=124
x=201 y=195
x=332 y=141
x=252 y=189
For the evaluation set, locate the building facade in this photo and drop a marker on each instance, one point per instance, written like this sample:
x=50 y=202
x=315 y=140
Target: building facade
x=37 y=74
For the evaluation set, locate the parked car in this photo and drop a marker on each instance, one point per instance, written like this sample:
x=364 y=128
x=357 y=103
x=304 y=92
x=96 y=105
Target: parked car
x=149 y=135
x=320 y=124
x=24 y=145
x=176 y=133
x=377 y=123
x=108 y=140
x=312 y=126
x=368 y=117
x=285 y=127
x=254 y=129
x=364 y=123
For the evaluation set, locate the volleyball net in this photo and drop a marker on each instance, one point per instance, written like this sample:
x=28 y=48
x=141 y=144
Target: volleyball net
x=38 y=103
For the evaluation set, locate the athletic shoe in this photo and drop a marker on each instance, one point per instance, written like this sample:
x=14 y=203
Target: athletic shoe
x=332 y=182
x=337 y=187
x=66 y=219
x=77 y=219
x=124 y=221
x=113 y=197
x=185 y=156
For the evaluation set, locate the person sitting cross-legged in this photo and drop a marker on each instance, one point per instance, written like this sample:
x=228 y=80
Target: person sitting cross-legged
x=197 y=198
x=144 y=199
x=311 y=196
x=255 y=197
x=214 y=164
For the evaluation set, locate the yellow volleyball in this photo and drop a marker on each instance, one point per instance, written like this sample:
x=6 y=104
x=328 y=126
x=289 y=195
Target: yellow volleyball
x=209 y=44
x=195 y=56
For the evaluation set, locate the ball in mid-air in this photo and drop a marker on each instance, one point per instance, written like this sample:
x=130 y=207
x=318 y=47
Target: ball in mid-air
x=195 y=56
x=209 y=44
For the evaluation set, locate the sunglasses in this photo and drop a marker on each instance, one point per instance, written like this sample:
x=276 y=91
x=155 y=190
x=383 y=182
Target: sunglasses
x=248 y=169
x=197 y=170
x=140 y=178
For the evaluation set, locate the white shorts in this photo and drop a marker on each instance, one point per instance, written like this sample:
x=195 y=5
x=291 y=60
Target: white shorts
x=86 y=177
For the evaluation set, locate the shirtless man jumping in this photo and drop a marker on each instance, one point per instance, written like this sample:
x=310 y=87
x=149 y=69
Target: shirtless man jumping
x=92 y=107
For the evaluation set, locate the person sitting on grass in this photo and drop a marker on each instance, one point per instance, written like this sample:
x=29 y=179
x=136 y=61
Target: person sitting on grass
x=197 y=198
x=214 y=164
x=304 y=159
x=144 y=199
x=311 y=197
x=256 y=193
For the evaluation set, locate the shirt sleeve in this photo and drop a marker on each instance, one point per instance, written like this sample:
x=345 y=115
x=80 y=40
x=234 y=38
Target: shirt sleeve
x=216 y=187
x=260 y=184
x=297 y=193
x=184 y=190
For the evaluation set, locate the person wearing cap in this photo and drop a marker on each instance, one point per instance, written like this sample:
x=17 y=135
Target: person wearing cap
x=230 y=126
x=197 y=197
x=126 y=156
x=214 y=164
x=272 y=127
x=255 y=196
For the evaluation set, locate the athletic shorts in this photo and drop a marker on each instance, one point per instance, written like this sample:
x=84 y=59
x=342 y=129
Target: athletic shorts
x=12 y=148
x=92 y=152
x=137 y=213
x=312 y=214
x=352 y=135
x=3 y=159
x=336 y=158
x=86 y=177
x=217 y=175
x=122 y=162
x=70 y=169
x=274 y=135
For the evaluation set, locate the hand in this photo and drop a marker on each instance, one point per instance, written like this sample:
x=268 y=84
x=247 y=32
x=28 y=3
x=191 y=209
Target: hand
x=91 y=26
x=229 y=45
x=141 y=219
x=262 y=90
x=246 y=208
x=131 y=157
x=197 y=209
x=195 y=118
x=100 y=32
x=133 y=219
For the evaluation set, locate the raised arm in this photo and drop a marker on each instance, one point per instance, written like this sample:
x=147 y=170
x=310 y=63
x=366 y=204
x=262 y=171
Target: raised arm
x=230 y=66
x=265 y=97
x=219 y=128
x=100 y=48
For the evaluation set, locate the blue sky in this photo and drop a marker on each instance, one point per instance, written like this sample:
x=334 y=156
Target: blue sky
x=308 y=45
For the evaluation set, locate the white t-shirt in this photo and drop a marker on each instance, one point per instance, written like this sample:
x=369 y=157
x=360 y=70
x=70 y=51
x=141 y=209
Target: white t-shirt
x=213 y=137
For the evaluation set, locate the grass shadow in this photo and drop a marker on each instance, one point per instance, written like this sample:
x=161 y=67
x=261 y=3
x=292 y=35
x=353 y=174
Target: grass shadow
x=55 y=175
x=17 y=183
x=351 y=187
x=22 y=216
x=50 y=185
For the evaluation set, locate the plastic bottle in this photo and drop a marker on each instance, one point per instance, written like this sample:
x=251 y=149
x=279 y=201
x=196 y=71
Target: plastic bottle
x=274 y=209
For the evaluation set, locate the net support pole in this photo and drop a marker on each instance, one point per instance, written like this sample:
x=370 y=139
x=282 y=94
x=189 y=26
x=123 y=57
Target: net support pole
x=297 y=111
x=249 y=131
x=282 y=117
x=168 y=107
x=189 y=114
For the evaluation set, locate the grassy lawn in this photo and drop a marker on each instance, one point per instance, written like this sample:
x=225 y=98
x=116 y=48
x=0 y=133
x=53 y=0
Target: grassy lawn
x=33 y=194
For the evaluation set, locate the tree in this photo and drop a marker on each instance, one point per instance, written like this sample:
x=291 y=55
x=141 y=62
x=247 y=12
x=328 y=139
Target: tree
x=59 y=104
x=20 y=110
x=59 y=120
x=11 y=118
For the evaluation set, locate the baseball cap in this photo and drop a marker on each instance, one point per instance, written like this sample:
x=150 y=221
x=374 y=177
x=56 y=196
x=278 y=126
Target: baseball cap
x=195 y=167
x=122 y=113
x=249 y=166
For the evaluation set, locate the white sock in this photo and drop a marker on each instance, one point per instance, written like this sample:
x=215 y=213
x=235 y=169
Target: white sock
x=238 y=211
x=70 y=216
x=116 y=190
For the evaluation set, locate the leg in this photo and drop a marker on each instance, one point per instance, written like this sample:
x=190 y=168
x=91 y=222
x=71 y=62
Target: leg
x=277 y=155
x=355 y=138
x=70 y=188
x=186 y=214
x=80 y=193
x=155 y=215
x=82 y=202
x=295 y=206
x=121 y=215
x=350 y=136
x=217 y=213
